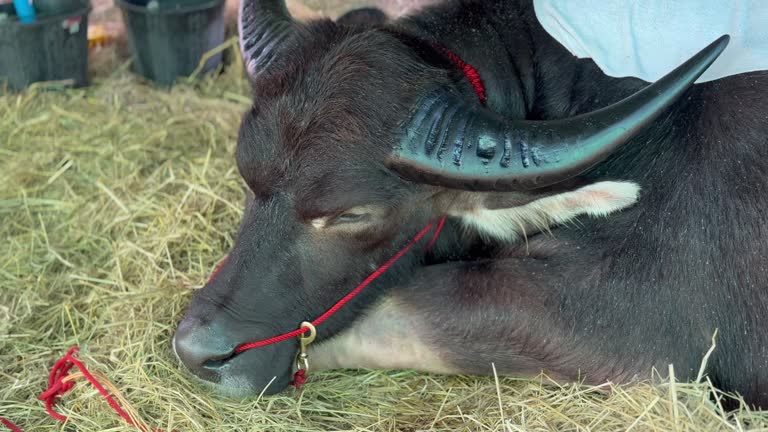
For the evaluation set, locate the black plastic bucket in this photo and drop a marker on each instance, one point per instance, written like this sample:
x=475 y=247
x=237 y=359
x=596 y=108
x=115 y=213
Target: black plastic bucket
x=53 y=48
x=168 y=42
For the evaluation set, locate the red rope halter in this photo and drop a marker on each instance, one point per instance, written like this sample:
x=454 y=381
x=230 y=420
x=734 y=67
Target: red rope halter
x=300 y=375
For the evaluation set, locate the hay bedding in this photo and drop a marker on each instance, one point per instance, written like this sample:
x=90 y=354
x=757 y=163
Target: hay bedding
x=116 y=202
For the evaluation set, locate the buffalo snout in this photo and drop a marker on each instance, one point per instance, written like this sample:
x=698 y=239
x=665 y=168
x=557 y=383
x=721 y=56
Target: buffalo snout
x=205 y=344
x=202 y=348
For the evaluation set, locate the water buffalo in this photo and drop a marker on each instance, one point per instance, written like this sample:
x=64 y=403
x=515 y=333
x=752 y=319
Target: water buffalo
x=361 y=135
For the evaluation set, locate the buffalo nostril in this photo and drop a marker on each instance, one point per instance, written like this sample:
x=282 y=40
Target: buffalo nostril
x=215 y=364
x=200 y=350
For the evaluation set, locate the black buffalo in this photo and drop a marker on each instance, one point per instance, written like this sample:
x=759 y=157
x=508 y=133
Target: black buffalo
x=362 y=134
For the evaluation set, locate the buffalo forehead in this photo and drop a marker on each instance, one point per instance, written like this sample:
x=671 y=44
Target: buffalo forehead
x=302 y=160
x=327 y=130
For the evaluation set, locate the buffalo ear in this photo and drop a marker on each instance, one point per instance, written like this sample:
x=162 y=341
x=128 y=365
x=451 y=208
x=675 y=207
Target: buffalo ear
x=363 y=17
x=509 y=217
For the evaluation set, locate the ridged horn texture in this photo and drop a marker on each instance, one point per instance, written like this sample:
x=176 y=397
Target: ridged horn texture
x=263 y=27
x=462 y=145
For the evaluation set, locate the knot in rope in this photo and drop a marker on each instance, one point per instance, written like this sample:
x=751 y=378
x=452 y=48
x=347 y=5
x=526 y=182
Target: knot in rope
x=299 y=378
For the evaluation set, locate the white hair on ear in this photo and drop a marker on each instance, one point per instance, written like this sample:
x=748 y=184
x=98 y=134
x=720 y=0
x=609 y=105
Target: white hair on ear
x=597 y=200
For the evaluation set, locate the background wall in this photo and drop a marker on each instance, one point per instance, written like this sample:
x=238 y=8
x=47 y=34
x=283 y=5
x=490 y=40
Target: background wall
x=105 y=13
x=103 y=10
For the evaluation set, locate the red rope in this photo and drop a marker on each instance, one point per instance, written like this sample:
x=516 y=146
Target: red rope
x=299 y=378
x=218 y=269
x=7 y=423
x=58 y=387
x=440 y=226
x=347 y=298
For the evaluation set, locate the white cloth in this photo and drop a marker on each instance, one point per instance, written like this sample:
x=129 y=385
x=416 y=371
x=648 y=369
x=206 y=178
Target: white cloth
x=648 y=38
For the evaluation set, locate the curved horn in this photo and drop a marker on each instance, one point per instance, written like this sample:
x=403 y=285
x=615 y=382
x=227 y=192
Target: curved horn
x=263 y=26
x=461 y=145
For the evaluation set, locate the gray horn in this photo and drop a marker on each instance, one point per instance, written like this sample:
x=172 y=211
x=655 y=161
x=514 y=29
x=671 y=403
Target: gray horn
x=263 y=27
x=452 y=143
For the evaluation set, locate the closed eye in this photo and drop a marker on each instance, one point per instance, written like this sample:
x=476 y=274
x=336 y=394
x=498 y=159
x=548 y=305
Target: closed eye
x=351 y=218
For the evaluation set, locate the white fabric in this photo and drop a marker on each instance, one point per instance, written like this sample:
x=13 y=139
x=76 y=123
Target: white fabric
x=648 y=38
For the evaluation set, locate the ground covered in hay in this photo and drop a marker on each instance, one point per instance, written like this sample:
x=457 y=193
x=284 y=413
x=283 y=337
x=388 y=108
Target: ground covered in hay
x=117 y=201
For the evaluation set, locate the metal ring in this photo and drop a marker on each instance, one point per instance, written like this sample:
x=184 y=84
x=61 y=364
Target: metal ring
x=306 y=340
x=300 y=366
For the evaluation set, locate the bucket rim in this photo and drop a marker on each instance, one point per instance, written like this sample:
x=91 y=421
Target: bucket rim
x=45 y=20
x=203 y=5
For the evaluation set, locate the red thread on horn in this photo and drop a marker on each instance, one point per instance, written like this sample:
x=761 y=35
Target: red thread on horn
x=473 y=76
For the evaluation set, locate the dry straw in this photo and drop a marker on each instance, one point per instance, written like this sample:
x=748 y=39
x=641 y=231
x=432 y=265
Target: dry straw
x=116 y=202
